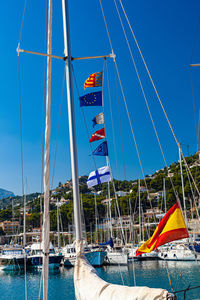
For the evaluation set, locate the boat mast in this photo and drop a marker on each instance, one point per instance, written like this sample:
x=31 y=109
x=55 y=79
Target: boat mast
x=58 y=225
x=46 y=223
x=139 y=212
x=96 y=218
x=71 y=118
x=24 y=243
x=109 y=203
x=164 y=195
x=182 y=183
x=130 y=211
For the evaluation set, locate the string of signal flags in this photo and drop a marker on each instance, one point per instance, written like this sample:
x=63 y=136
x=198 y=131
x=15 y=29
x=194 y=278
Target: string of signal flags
x=96 y=99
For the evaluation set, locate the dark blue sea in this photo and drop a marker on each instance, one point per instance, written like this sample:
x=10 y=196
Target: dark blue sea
x=149 y=273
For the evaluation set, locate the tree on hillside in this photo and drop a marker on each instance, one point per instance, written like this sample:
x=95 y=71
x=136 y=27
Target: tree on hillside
x=5 y=214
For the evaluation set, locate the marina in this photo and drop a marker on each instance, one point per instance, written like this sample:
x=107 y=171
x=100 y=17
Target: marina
x=120 y=231
x=61 y=285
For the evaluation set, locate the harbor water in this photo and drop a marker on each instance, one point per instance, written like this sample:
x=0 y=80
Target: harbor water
x=146 y=273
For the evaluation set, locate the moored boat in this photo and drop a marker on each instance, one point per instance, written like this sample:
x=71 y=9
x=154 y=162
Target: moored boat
x=95 y=257
x=148 y=256
x=179 y=252
x=116 y=256
x=35 y=258
x=131 y=249
x=12 y=258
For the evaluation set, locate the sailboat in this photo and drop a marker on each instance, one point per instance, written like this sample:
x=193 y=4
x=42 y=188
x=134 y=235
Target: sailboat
x=94 y=256
x=88 y=285
x=178 y=252
x=12 y=258
x=35 y=257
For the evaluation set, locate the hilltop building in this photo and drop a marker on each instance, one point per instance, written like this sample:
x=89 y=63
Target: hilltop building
x=9 y=226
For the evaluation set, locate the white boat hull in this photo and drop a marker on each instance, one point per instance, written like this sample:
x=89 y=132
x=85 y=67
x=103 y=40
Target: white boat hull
x=117 y=258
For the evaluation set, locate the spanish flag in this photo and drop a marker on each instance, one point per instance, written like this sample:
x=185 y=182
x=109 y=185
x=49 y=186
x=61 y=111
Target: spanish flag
x=94 y=80
x=172 y=227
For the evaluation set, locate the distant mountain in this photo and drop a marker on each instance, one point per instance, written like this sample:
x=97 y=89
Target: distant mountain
x=5 y=194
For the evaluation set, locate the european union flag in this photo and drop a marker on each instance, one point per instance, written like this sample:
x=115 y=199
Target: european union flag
x=91 y=99
x=101 y=150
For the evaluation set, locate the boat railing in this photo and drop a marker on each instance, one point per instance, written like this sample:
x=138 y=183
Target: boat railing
x=184 y=291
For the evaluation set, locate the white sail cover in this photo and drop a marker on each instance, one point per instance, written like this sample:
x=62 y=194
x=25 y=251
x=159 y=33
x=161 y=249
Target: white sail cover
x=89 y=286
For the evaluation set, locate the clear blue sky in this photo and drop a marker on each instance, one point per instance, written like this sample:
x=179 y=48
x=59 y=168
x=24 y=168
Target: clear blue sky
x=165 y=31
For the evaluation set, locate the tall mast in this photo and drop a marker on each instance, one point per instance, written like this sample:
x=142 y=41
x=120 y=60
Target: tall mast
x=130 y=211
x=96 y=218
x=58 y=225
x=142 y=225
x=71 y=119
x=139 y=212
x=24 y=243
x=109 y=203
x=46 y=223
x=182 y=183
x=164 y=195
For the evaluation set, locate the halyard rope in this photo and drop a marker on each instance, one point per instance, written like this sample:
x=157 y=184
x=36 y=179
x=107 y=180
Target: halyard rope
x=158 y=97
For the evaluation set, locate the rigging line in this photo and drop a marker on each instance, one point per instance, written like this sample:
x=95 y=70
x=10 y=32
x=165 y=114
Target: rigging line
x=145 y=98
x=43 y=136
x=106 y=30
x=197 y=123
x=194 y=106
x=126 y=105
x=91 y=148
x=61 y=223
x=22 y=162
x=168 y=274
x=198 y=129
x=191 y=78
x=111 y=114
x=22 y=23
x=21 y=137
x=107 y=158
x=120 y=125
x=158 y=97
x=194 y=198
x=148 y=72
x=112 y=180
x=135 y=142
x=55 y=155
x=117 y=203
x=106 y=26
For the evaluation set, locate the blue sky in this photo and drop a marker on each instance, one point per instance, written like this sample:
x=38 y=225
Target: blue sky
x=165 y=31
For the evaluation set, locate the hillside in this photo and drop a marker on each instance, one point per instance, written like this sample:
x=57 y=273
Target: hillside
x=5 y=194
x=127 y=196
x=17 y=200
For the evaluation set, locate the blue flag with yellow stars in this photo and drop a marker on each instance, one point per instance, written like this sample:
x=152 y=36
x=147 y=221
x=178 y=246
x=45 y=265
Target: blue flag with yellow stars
x=91 y=99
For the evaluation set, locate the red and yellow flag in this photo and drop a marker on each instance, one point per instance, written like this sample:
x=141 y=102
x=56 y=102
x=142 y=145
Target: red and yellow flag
x=93 y=80
x=172 y=227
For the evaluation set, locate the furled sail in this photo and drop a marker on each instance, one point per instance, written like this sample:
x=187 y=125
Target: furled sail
x=89 y=286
